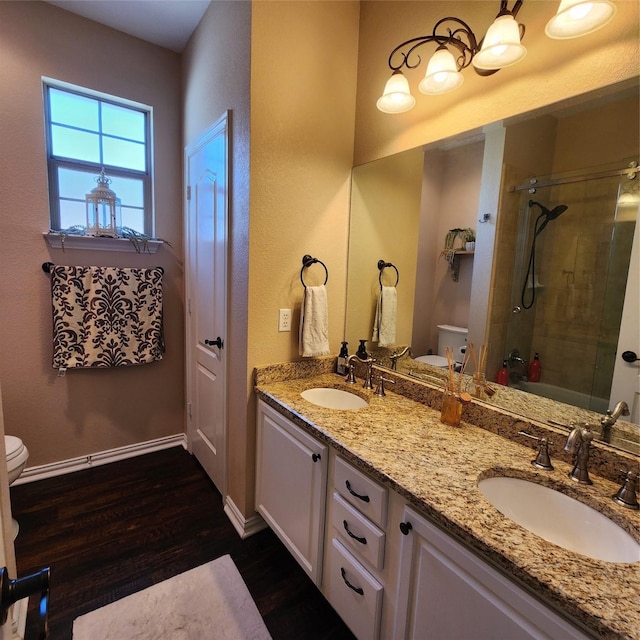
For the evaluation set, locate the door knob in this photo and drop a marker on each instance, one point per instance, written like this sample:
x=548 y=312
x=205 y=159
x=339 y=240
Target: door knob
x=630 y=356
x=215 y=343
x=13 y=590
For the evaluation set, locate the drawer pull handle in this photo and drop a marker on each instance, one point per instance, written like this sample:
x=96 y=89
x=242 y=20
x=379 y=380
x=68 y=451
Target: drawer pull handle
x=358 y=590
x=353 y=493
x=315 y=457
x=355 y=537
x=405 y=527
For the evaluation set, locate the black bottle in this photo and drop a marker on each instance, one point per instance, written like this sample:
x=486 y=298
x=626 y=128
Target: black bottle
x=342 y=359
x=362 y=350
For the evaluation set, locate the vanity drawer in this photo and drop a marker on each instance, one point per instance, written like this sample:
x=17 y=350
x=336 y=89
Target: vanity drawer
x=358 y=534
x=362 y=492
x=354 y=593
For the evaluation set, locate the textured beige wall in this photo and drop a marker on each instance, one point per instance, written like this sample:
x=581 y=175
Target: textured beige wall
x=303 y=78
x=385 y=219
x=210 y=88
x=553 y=70
x=87 y=411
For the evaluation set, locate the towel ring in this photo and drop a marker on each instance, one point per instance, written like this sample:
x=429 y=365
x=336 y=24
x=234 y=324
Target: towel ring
x=382 y=265
x=307 y=261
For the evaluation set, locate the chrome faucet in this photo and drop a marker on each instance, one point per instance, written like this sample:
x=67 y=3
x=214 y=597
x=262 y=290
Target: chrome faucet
x=394 y=357
x=578 y=444
x=514 y=357
x=368 y=378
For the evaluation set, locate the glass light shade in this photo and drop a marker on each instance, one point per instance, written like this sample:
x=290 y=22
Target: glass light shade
x=576 y=18
x=103 y=209
x=442 y=74
x=501 y=46
x=396 y=97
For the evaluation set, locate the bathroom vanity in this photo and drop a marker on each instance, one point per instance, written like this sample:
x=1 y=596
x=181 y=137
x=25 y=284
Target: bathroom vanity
x=381 y=507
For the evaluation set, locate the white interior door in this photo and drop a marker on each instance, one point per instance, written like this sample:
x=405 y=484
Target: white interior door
x=206 y=321
x=626 y=375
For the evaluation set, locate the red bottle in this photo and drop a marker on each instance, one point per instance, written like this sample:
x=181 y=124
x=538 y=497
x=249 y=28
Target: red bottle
x=535 y=369
x=503 y=375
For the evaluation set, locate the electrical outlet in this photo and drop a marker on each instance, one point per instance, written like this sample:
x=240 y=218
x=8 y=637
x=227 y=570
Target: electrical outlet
x=284 y=320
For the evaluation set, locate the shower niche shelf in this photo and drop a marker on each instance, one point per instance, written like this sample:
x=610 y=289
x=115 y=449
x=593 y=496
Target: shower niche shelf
x=454 y=263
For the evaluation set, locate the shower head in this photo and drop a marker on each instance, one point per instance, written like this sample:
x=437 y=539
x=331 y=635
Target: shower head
x=547 y=214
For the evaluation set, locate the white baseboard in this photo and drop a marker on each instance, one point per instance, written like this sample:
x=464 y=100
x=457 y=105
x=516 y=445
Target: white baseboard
x=31 y=474
x=244 y=526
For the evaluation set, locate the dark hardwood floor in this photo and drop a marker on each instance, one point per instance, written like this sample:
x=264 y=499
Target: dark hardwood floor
x=115 y=529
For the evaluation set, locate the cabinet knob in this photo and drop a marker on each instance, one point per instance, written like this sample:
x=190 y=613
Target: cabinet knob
x=405 y=527
x=315 y=457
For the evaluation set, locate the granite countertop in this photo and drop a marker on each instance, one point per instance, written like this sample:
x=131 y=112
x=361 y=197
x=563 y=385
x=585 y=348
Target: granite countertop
x=436 y=468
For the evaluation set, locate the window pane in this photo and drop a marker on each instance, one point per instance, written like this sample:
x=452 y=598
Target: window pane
x=72 y=213
x=75 y=184
x=74 y=110
x=123 y=122
x=133 y=218
x=78 y=145
x=119 y=153
x=129 y=190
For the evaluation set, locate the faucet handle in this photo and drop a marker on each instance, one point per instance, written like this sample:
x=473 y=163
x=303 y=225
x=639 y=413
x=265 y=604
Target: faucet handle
x=542 y=460
x=626 y=495
x=380 y=388
x=351 y=374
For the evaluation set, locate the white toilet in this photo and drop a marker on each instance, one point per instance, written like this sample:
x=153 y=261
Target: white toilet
x=448 y=336
x=17 y=455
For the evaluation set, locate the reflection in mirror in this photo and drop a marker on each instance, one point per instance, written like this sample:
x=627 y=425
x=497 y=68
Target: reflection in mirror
x=565 y=242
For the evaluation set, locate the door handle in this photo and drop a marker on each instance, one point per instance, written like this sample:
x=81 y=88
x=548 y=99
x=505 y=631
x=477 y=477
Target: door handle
x=13 y=590
x=215 y=343
x=630 y=356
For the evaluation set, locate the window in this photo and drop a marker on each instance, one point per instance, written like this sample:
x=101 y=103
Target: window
x=85 y=133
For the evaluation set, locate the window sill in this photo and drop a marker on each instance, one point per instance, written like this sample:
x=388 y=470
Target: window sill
x=125 y=245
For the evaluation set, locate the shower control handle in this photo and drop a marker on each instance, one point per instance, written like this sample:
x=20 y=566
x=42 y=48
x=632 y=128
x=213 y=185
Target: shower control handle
x=630 y=356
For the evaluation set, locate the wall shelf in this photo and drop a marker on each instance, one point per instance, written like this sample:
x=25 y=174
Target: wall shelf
x=92 y=243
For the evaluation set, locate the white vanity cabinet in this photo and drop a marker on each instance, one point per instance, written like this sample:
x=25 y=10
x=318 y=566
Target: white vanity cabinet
x=445 y=591
x=291 y=481
x=355 y=556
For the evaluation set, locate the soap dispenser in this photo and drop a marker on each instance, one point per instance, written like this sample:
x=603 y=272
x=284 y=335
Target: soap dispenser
x=535 y=369
x=343 y=356
x=503 y=375
x=362 y=350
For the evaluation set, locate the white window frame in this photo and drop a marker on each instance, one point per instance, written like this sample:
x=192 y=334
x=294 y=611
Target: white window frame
x=54 y=162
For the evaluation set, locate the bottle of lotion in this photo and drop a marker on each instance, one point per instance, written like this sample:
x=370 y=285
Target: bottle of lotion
x=503 y=375
x=535 y=369
x=342 y=359
x=362 y=350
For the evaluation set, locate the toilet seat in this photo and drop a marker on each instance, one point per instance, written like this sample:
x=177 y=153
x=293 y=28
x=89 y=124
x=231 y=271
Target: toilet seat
x=14 y=447
x=434 y=361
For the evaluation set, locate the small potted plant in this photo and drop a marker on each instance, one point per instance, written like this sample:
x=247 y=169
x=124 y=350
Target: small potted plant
x=469 y=240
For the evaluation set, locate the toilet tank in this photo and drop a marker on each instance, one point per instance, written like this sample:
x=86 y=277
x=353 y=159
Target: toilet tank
x=454 y=338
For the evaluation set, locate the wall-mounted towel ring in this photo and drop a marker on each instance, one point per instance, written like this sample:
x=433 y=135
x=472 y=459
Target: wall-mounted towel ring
x=382 y=265
x=307 y=261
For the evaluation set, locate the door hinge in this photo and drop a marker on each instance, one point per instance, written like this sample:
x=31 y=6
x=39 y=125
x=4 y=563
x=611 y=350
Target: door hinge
x=189 y=410
x=189 y=306
x=188 y=192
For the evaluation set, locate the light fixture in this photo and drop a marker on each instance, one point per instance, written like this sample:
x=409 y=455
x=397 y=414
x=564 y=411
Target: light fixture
x=458 y=47
x=103 y=209
x=576 y=18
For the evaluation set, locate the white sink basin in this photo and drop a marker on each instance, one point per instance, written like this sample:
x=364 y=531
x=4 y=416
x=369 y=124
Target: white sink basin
x=333 y=398
x=560 y=519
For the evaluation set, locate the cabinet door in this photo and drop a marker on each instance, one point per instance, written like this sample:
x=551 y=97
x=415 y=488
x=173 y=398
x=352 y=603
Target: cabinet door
x=291 y=479
x=446 y=592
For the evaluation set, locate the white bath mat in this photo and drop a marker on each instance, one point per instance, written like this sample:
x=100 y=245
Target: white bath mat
x=208 y=602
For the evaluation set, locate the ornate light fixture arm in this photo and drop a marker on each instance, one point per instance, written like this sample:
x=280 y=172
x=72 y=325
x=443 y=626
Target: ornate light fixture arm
x=462 y=38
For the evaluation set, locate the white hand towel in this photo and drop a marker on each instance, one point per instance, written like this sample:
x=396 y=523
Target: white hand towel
x=314 y=322
x=384 y=325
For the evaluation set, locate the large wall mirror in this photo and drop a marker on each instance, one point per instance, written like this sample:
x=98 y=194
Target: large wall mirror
x=554 y=270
